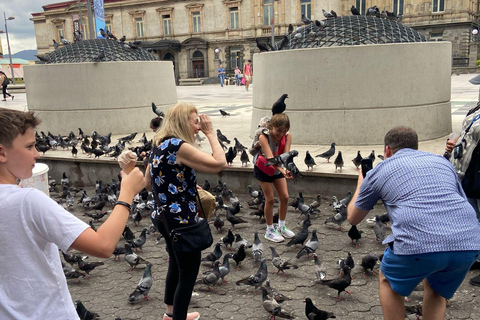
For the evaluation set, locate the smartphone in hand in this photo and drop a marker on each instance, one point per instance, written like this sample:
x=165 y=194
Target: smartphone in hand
x=367 y=165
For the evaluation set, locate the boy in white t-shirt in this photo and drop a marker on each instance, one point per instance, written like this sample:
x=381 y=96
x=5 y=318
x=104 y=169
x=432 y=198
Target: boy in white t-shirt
x=33 y=227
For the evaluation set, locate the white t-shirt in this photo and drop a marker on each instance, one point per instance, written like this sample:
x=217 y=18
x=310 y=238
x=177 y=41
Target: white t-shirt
x=32 y=229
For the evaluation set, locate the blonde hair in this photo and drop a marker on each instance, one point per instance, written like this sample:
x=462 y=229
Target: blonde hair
x=176 y=124
x=280 y=120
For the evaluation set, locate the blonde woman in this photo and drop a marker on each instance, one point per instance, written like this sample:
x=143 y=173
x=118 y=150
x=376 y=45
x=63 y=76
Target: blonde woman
x=171 y=176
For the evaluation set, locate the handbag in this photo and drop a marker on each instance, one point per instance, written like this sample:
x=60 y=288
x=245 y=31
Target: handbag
x=206 y=201
x=261 y=164
x=193 y=238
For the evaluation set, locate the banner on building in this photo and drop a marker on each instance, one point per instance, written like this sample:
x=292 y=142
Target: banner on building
x=99 y=17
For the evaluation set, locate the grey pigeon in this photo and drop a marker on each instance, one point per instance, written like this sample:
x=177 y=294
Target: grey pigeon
x=372 y=156
x=221 y=137
x=313 y=313
x=233 y=219
x=279 y=106
x=224 y=113
x=143 y=287
x=214 y=255
x=357 y=161
x=132 y=258
x=211 y=278
x=273 y=307
x=305 y=20
x=338 y=161
x=244 y=158
x=327 y=14
x=55 y=44
x=71 y=273
x=283 y=159
x=311 y=246
x=280 y=263
x=379 y=229
x=368 y=263
x=224 y=269
x=309 y=161
x=140 y=241
x=316 y=203
x=319 y=268
x=256 y=279
x=88 y=267
x=239 y=241
x=218 y=222
x=301 y=236
x=157 y=111
x=257 y=248
x=339 y=217
x=83 y=313
x=329 y=153
x=279 y=297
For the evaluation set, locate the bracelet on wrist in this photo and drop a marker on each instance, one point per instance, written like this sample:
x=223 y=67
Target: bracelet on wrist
x=125 y=204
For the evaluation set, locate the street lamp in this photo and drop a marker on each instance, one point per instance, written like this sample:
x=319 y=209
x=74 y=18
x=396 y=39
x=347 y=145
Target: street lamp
x=8 y=45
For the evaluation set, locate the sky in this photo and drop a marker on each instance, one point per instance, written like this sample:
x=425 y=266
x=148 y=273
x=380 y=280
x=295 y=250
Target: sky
x=21 y=32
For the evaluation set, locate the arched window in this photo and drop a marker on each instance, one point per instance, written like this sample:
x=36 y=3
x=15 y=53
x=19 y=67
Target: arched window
x=169 y=56
x=197 y=54
x=267 y=12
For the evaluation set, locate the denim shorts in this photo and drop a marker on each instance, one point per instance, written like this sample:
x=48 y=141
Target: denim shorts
x=444 y=271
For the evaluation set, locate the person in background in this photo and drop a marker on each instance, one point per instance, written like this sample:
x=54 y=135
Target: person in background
x=435 y=233
x=170 y=174
x=31 y=266
x=221 y=74
x=238 y=73
x=4 y=82
x=248 y=73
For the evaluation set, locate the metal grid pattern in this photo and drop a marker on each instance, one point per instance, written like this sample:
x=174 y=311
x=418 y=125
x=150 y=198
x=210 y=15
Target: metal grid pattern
x=90 y=51
x=349 y=31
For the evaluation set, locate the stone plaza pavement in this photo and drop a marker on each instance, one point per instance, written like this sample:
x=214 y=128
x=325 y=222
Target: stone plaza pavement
x=107 y=290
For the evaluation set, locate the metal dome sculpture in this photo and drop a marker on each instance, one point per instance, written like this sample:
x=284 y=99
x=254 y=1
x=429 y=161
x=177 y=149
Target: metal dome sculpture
x=96 y=50
x=349 y=31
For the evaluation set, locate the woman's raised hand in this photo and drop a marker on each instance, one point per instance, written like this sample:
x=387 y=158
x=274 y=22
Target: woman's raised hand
x=205 y=124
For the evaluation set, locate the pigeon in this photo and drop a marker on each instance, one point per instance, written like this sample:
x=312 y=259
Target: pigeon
x=262 y=47
x=279 y=105
x=224 y=113
x=64 y=41
x=157 y=111
x=283 y=43
x=128 y=234
x=357 y=161
x=218 y=223
x=239 y=241
x=319 y=268
x=339 y=217
x=71 y=273
x=301 y=236
x=416 y=310
x=233 y=219
x=338 y=161
x=244 y=158
x=230 y=155
x=305 y=20
x=103 y=33
x=214 y=255
x=348 y=261
x=132 y=258
x=316 y=203
x=83 y=313
x=379 y=229
x=329 y=153
x=256 y=279
x=311 y=246
x=372 y=156
x=257 y=248
x=355 y=235
x=100 y=56
x=239 y=256
x=224 y=268
x=354 y=11
x=143 y=286
x=290 y=28
x=279 y=297
x=122 y=39
x=111 y=35
x=280 y=263
x=140 y=241
x=327 y=14
x=221 y=137
x=309 y=161
x=273 y=307
x=117 y=252
x=368 y=263
x=211 y=278
x=88 y=267
x=340 y=283
x=65 y=182
x=344 y=202
x=90 y=223
x=313 y=313
x=71 y=258
x=55 y=44
x=333 y=13
x=380 y=157
x=228 y=239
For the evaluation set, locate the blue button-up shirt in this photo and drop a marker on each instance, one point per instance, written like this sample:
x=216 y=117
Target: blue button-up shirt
x=424 y=201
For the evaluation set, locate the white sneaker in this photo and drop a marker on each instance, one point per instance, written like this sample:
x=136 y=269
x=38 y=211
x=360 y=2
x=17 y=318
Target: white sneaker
x=190 y=316
x=273 y=235
x=284 y=231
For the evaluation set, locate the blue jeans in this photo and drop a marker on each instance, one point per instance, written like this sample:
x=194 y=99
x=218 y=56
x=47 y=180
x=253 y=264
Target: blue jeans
x=237 y=79
x=222 y=78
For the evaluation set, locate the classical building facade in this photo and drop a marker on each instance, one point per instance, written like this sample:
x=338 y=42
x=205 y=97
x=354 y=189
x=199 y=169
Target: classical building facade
x=198 y=35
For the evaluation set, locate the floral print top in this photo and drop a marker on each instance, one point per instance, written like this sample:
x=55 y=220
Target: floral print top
x=175 y=185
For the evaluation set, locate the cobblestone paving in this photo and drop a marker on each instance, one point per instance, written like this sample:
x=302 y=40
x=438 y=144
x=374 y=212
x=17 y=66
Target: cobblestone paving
x=107 y=290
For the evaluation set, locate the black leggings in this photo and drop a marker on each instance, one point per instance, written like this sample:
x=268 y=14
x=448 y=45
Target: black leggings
x=181 y=276
x=5 y=93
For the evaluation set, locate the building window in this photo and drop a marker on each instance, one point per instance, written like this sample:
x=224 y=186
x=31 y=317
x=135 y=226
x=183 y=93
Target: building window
x=235 y=58
x=108 y=25
x=438 y=6
x=167 y=24
x=436 y=36
x=234 y=24
x=196 y=22
x=267 y=12
x=306 y=8
x=360 y=5
x=59 y=32
x=397 y=7
x=139 y=27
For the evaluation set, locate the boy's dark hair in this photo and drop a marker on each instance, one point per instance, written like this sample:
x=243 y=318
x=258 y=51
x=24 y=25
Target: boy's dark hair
x=280 y=120
x=14 y=123
x=400 y=138
x=155 y=123
x=249 y=60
